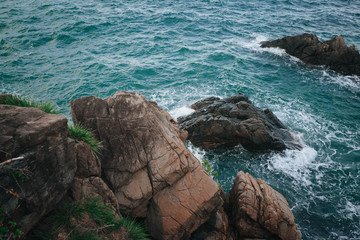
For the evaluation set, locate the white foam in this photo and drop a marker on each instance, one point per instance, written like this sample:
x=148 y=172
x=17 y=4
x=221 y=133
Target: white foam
x=295 y=163
x=351 y=210
x=181 y=111
x=197 y=152
x=351 y=83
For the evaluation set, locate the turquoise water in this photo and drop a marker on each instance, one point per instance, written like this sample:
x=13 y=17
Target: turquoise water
x=176 y=53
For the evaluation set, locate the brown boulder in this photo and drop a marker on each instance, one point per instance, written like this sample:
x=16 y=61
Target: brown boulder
x=46 y=166
x=333 y=53
x=256 y=210
x=235 y=120
x=179 y=210
x=146 y=164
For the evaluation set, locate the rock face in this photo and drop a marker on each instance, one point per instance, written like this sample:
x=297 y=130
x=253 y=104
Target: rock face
x=233 y=121
x=333 y=53
x=147 y=166
x=87 y=181
x=258 y=211
x=38 y=180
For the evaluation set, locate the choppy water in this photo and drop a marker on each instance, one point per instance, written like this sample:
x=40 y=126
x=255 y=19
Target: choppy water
x=178 y=52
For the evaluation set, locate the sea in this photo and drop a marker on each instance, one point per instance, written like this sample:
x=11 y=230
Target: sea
x=179 y=52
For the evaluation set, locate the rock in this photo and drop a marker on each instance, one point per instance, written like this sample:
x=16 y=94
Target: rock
x=233 y=121
x=3 y=97
x=87 y=164
x=147 y=166
x=93 y=186
x=216 y=228
x=179 y=210
x=38 y=180
x=333 y=53
x=256 y=210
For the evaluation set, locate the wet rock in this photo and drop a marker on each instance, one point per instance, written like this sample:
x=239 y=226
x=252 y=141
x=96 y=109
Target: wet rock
x=43 y=165
x=147 y=166
x=333 y=53
x=233 y=121
x=256 y=210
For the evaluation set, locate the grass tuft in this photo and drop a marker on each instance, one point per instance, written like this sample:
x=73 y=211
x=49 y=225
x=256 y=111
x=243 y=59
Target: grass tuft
x=82 y=134
x=102 y=214
x=136 y=230
x=14 y=100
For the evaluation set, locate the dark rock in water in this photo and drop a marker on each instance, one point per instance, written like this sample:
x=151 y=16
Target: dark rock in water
x=233 y=121
x=333 y=53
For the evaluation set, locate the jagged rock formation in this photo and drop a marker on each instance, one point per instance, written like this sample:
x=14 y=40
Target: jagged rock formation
x=147 y=165
x=33 y=185
x=145 y=171
x=333 y=53
x=233 y=121
x=258 y=211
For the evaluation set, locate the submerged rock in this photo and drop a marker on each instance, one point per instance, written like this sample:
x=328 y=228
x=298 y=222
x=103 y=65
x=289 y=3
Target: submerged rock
x=256 y=210
x=147 y=166
x=333 y=53
x=233 y=121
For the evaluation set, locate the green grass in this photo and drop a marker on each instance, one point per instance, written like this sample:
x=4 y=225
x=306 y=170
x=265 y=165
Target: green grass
x=136 y=231
x=101 y=213
x=14 y=100
x=82 y=134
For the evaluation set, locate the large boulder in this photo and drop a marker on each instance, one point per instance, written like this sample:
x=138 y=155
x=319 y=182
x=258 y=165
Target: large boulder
x=333 y=53
x=235 y=120
x=147 y=166
x=256 y=210
x=38 y=163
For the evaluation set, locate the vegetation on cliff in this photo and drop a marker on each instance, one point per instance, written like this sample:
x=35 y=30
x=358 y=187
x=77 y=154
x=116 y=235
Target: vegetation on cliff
x=80 y=133
x=19 y=101
x=91 y=219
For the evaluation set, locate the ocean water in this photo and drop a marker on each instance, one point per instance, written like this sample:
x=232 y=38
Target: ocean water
x=178 y=52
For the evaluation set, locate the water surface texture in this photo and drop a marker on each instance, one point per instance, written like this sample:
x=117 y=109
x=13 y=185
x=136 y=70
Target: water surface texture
x=178 y=52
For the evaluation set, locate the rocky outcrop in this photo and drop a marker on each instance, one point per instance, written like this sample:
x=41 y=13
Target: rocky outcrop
x=41 y=163
x=333 y=53
x=144 y=171
x=258 y=211
x=147 y=166
x=233 y=121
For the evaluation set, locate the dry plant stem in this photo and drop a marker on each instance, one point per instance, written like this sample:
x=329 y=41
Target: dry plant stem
x=11 y=160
